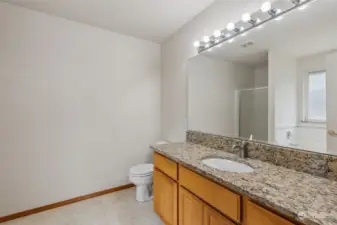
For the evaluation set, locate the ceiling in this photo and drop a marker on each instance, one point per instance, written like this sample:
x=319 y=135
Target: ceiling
x=299 y=34
x=153 y=20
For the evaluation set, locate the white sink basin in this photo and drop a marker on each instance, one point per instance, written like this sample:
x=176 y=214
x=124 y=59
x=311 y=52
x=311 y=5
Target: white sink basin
x=227 y=165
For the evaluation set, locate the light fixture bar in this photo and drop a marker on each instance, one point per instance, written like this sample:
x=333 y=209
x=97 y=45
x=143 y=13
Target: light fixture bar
x=296 y=2
x=203 y=46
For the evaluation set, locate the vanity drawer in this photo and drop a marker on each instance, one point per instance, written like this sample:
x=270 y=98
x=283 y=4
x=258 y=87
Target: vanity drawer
x=165 y=165
x=217 y=196
x=255 y=214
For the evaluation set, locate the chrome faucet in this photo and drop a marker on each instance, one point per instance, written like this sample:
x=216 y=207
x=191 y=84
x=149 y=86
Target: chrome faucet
x=241 y=149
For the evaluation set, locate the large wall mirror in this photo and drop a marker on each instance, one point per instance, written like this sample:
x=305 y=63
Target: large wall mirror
x=275 y=83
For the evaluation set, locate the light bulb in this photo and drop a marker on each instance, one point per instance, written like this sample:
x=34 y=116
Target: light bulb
x=278 y=11
x=258 y=20
x=266 y=7
x=206 y=39
x=231 y=40
x=242 y=29
x=217 y=33
x=206 y=45
x=246 y=17
x=279 y=18
x=303 y=7
x=196 y=44
x=228 y=35
x=230 y=26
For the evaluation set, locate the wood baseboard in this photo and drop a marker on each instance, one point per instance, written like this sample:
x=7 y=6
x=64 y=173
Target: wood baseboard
x=63 y=203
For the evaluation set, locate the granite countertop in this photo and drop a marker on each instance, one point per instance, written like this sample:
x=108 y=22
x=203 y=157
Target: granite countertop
x=305 y=198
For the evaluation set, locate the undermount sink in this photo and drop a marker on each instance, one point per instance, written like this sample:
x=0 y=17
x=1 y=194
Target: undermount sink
x=227 y=165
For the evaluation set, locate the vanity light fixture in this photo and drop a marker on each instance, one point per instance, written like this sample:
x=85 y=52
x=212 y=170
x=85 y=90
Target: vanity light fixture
x=266 y=7
x=217 y=33
x=278 y=11
x=247 y=18
x=231 y=27
x=303 y=7
x=298 y=2
x=206 y=39
x=219 y=36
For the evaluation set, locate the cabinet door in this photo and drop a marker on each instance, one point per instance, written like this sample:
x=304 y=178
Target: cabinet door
x=190 y=208
x=257 y=215
x=165 y=199
x=212 y=217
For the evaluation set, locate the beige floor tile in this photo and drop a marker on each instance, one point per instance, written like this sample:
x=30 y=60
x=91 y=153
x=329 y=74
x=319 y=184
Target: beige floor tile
x=119 y=208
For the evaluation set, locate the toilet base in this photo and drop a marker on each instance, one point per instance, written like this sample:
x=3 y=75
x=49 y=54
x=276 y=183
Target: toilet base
x=144 y=192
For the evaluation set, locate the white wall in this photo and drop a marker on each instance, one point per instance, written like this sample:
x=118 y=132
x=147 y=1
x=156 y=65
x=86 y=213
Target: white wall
x=309 y=136
x=261 y=76
x=79 y=106
x=287 y=117
x=282 y=94
x=331 y=63
x=304 y=66
x=211 y=94
x=175 y=53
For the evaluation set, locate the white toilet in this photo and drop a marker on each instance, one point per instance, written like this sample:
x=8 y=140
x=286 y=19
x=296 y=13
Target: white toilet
x=141 y=176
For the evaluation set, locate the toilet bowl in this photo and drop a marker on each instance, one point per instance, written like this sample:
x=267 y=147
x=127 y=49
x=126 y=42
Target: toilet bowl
x=141 y=176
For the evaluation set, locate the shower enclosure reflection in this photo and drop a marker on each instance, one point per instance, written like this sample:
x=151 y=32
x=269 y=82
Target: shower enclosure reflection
x=253 y=113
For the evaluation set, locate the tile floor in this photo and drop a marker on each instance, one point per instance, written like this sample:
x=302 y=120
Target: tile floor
x=119 y=208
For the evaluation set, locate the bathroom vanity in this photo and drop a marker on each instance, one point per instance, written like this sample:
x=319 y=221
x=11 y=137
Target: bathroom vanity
x=271 y=90
x=187 y=192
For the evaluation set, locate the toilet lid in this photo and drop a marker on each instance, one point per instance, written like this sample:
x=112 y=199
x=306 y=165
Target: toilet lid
x=142 y=169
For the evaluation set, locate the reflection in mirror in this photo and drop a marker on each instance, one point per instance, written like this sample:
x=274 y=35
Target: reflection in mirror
x=274 y=84
x=253 y=113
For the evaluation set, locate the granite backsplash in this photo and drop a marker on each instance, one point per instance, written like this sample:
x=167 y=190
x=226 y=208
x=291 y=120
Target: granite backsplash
x=322 y=165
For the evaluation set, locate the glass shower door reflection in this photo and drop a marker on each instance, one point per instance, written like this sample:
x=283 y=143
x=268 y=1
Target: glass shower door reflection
x=253 y=113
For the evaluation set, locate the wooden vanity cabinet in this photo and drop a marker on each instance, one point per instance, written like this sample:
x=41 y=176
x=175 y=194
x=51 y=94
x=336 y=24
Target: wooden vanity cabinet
x=191 y=209
x=212 y=217
x=224 y=200
x=165 y=165
x=165 y=197
x=183 y=197
x=255 y=215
